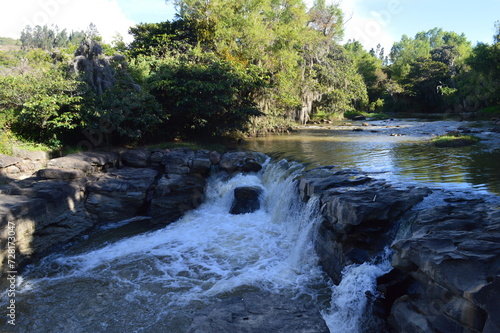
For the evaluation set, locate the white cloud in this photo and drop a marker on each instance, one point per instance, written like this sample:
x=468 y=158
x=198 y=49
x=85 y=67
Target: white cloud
x=369 y=21
x=72 y=15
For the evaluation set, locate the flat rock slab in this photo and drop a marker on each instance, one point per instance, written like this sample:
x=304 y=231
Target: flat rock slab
x=259 y=313
x=6 y=161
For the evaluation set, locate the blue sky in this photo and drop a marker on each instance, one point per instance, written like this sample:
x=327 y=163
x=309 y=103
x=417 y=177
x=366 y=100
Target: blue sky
x=369 y=21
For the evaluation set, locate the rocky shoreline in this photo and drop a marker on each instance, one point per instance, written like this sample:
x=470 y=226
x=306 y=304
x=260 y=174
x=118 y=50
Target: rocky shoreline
x=446 y=265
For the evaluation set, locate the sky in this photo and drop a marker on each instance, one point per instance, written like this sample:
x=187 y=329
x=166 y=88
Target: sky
x=369 y=21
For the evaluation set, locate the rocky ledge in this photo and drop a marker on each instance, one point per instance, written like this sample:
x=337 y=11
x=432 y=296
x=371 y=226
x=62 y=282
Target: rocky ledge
x=449 y=268
x=79 y=191
x=446 y=266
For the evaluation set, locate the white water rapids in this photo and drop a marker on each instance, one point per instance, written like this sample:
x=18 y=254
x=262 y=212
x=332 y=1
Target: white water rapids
x=154 y=281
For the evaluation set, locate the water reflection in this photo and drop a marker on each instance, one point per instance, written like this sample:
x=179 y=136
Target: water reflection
x=406 y=158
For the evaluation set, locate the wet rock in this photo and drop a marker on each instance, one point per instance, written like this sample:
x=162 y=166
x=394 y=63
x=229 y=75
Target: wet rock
x=317 y=183
x=246 y=200
x=174 y=195
x=359 y=118
x=259 y=312
x=452 y=255
x=359 y=215
x=137 y=158
x=119 y=194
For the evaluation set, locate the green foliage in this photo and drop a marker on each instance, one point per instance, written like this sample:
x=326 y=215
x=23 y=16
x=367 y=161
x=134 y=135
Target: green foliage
x=454 y=139
x=489 y=112
x=208 y=98
x=40 y=105
x=113 y=98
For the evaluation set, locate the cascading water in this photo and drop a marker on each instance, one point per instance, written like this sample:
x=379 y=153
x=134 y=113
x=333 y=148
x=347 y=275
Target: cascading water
x=155 y=281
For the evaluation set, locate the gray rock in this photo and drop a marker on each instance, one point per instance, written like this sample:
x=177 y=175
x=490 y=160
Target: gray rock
x=31 y=155
x=359 y=222
x=242 y=161
x=137 y=158
x=157 y=156
x=246 y=200
x=178 y=160
x=43 y=213
x=259 y=312
x=452 y=253
x=87 y=162
x=215 y=158
x=174 y=195
x=119 y=194
x=6 y=161
x=60 y=174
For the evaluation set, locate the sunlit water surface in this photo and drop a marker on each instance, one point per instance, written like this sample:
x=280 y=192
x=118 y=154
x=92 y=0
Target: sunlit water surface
x=379 y=150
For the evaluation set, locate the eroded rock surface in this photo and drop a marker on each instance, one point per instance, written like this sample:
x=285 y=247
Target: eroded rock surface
x=259 y=312
x=360 y=215
x=451 y=257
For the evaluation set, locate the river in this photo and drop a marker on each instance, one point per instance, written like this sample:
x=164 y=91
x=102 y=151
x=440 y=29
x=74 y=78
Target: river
x=396 y=150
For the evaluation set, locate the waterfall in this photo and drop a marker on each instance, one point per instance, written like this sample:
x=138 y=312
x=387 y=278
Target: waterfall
x=155 y=281
x=349 y=303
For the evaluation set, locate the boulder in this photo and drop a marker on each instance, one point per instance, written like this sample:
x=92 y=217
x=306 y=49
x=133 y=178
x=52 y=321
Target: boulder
x=201 y=163
x=174 y=195
x=137 y=158
x=215 y=158
x=246 y=200
x=119 y=194
x=31 y=155
x=259 y=312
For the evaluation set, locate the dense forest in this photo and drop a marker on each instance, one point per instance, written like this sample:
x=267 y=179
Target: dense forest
x=227 y=69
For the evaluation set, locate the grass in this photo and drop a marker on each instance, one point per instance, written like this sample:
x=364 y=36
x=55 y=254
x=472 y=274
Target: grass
x=454 y=139
x=488 y=113
x=9 y=143
x=372 y=116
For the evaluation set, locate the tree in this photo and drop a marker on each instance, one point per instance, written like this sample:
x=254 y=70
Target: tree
x=424 y=83
x=206 y=98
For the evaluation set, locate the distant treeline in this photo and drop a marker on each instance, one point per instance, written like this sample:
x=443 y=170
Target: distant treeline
x=228 y=68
